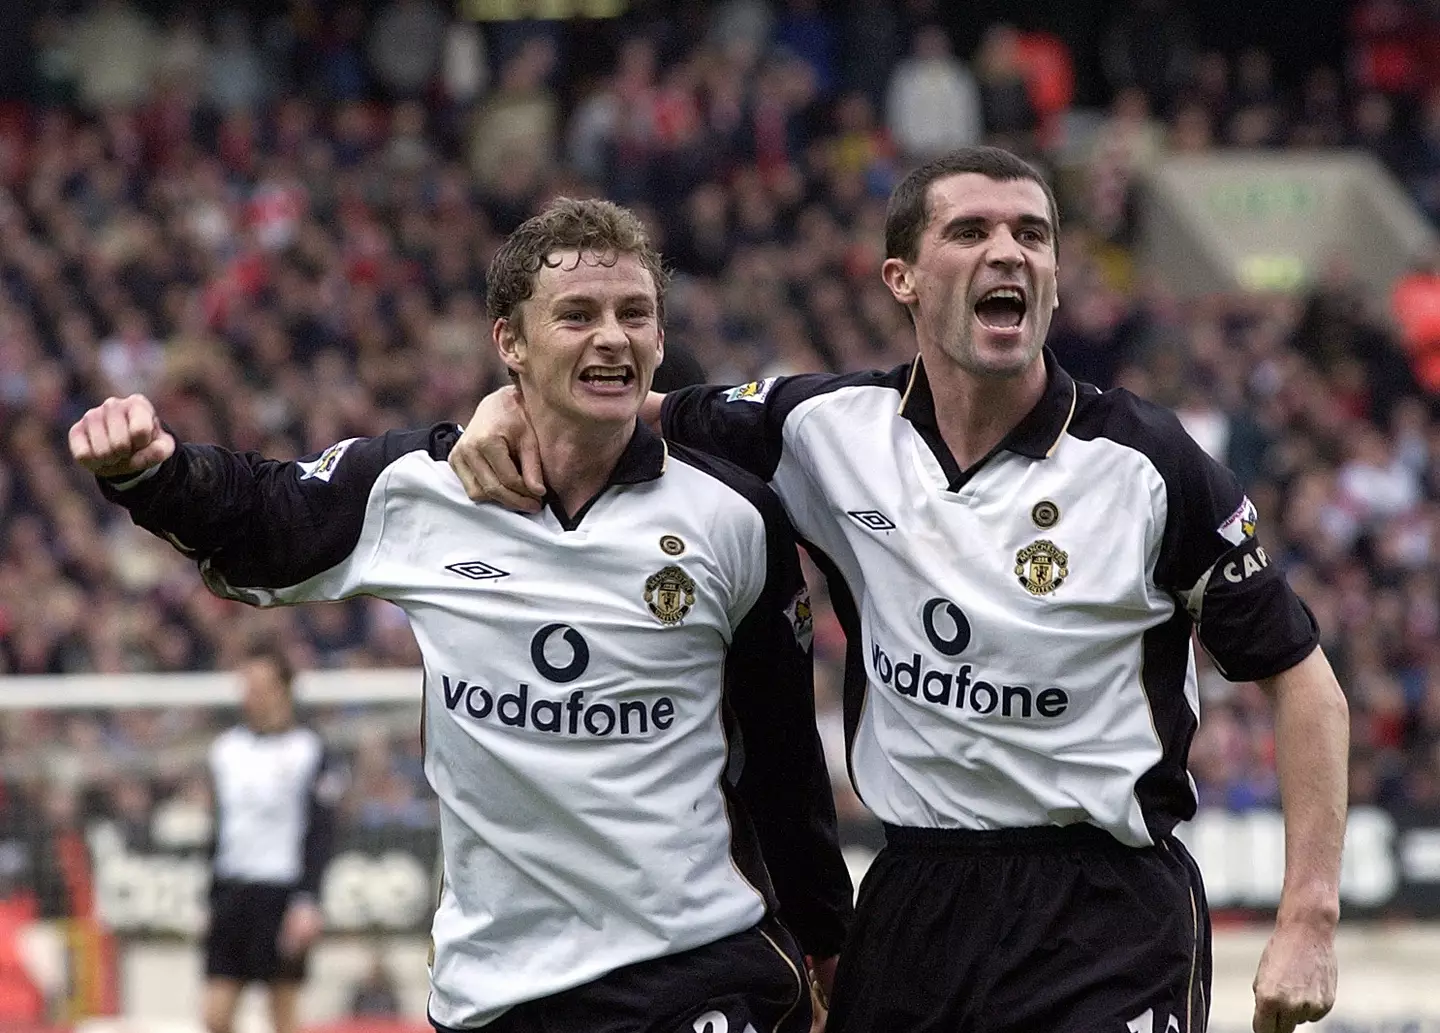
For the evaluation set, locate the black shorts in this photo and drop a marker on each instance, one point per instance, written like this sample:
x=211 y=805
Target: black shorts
x=245 y=919
x=1064 y=930
x=752 y=980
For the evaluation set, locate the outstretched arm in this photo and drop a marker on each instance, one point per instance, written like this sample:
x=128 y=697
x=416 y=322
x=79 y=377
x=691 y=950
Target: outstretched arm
x=1297 y=975
x=262 y=530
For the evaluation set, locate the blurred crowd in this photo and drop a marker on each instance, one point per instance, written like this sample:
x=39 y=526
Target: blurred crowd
x=278 y=228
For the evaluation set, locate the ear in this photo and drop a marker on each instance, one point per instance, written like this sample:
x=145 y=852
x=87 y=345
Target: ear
x=510 y=344
x=899 y=277
x=659 y=346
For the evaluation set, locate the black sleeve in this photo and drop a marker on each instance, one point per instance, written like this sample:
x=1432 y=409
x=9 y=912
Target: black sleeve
x=1250 y=621
x=257 y=524
x=783 y=783
x=742 y=424
x=328 y=787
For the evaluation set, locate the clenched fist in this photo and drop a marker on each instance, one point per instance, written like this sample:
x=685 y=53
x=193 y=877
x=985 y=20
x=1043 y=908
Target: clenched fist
x=120 y=436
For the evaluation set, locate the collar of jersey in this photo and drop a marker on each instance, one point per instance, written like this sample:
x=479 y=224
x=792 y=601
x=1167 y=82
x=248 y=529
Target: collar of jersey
x=643 y=460
x=1035 y=436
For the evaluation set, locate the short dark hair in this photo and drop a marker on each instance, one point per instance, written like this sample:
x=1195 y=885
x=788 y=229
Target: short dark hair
x=274 y=656
x=908 y=213
x=567 y=224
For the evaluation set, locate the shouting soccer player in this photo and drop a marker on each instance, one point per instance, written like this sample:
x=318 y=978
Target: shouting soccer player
x=636 y=819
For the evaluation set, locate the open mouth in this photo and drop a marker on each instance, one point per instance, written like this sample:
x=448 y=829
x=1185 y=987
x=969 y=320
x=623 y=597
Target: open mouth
x=607 y=376
x=1001 y=309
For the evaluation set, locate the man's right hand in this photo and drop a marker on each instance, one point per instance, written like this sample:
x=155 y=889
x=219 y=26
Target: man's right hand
x=485 y=456
x=120 y=436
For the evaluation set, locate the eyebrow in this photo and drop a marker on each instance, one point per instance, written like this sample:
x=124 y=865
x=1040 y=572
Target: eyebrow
x=965 y=222
x=578 y=298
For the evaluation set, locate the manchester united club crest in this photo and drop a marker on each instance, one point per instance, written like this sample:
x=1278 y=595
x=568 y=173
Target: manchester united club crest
x=1042 y=567
x=669 y=592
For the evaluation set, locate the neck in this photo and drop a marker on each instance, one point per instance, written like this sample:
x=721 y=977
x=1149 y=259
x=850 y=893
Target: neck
x=577 y=460
x=975 y=412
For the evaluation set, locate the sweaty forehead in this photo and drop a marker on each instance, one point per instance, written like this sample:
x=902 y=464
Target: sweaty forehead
x=971 y=195
x=594 y=274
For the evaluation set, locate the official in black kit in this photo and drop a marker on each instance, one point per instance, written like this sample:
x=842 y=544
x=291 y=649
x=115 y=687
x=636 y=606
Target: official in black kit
x=1019 y=562
x=637 y=829
x=275 y=788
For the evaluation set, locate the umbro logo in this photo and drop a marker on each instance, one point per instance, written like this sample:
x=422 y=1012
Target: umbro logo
x=872 y=520
x=475 y=570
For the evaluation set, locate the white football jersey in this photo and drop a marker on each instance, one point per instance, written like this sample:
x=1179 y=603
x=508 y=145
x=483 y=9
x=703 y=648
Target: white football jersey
x=1019 y=632
x=618 y=712
x=270 y=791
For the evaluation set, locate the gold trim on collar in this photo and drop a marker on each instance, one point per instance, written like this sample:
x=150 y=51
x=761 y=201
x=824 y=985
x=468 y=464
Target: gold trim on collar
x=1074 y=396
x=909 y=386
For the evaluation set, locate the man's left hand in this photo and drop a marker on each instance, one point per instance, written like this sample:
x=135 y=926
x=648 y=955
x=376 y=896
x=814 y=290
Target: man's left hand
x=1296 y=979
x=822 y=981
x=302 y=925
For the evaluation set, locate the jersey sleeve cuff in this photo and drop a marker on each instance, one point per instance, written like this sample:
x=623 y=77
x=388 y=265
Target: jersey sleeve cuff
x=126 y=483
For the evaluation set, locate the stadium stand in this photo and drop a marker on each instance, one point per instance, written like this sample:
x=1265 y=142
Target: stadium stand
x=277 y=224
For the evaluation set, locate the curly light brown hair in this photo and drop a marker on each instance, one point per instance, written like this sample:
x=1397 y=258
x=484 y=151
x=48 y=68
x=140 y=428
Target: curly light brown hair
x=601 y=228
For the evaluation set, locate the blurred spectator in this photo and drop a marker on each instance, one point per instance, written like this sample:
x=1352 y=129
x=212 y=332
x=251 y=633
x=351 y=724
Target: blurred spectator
x=1149 y=44
x=1421 y=163
x=1256 y=117
x=783 y=115
x=464 y=66
x=1374 y=483
x=1127 y=143
x=1320 y=122
x=341 y=64
x=703 y=242
x=235 y=78
x=870 y=47
x=56 y=77
x=1008 y=111
x=1050 y=76
x=1415 y=306
x=1382 y=46
x=1207 y=85
x=407 y=46
x=132 y=359
x=933 y=103
x=114 y=48
x=1372 y=127
x=184 y=52
x=808 y=32
x=516 y=125
x=741 y=29
x=861 y=149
